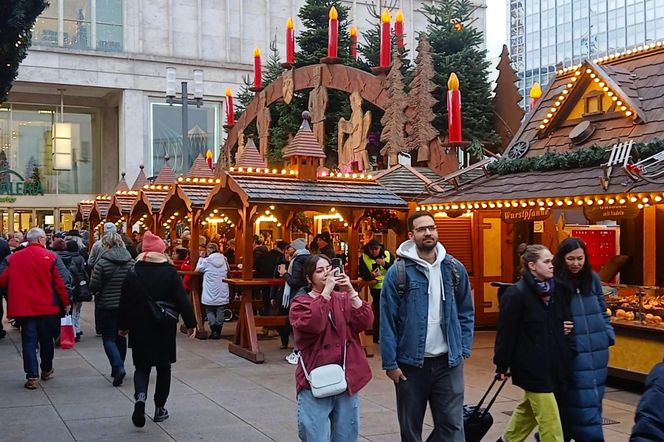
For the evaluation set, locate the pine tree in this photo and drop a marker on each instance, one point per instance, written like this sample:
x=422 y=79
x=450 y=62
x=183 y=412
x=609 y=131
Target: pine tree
x=421 y=101
x=457 y=50
x=506 y=101
x=394 y=119
x=16 y=21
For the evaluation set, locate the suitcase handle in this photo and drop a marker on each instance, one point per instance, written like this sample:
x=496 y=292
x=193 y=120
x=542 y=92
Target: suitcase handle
x=493 y=399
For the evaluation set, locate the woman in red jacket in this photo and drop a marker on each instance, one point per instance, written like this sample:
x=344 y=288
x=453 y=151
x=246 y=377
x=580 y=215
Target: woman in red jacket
x=326 y=323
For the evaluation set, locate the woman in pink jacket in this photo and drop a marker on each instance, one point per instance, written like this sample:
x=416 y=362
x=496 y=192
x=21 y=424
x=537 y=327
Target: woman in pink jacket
x=325 y=320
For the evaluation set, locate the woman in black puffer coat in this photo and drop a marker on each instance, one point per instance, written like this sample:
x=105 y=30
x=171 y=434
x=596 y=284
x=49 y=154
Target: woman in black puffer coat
x=152 y=344
x=106 y=281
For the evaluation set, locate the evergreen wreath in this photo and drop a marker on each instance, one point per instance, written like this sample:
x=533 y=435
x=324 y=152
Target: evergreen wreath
x=574 y=159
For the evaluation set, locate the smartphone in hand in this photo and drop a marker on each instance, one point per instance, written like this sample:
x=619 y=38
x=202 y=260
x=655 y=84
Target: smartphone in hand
x=337 y=263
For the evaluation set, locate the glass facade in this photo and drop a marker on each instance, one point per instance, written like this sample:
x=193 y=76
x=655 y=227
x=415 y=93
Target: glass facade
x=26 y=147
x=166 y=134
x=81 y=24
x=547 y=33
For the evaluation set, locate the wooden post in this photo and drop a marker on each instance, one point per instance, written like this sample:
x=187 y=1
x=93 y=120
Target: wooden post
x=196 y=281
x=649 y=245
x=245 y=342
x=354 y=242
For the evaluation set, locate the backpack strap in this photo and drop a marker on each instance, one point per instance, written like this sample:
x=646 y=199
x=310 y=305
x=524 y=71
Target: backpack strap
x=402 y=281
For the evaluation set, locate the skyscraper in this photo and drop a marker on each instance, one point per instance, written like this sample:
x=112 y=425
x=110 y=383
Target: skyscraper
x=547 y=33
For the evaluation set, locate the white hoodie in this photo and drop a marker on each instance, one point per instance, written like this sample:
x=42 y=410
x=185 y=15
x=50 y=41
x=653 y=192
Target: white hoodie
x=214 y=269
x=436 y=344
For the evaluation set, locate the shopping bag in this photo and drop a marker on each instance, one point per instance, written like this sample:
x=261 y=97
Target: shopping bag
x=67 y=333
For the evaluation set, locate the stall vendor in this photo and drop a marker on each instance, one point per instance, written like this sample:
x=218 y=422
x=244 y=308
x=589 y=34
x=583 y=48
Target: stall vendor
x=374 y=263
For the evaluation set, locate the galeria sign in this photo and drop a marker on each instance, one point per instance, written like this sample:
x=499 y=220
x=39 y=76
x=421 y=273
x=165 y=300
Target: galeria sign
x=19 y=187
x=513 y=216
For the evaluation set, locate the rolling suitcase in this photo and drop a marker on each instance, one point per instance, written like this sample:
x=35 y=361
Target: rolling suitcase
x=478 y=420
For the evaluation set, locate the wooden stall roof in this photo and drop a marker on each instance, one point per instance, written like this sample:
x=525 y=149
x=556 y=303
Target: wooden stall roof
x=250 y=157
x=125 y=200
x=141 y=180
x=549 y=184
x=635 y=79
x=411 y=183
x=101 y=206
x=323 y=192
x=84 y=209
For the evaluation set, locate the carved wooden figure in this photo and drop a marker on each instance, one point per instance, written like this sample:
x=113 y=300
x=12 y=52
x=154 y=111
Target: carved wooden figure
x=263 y=121
x=352 y=137
x=318 y=105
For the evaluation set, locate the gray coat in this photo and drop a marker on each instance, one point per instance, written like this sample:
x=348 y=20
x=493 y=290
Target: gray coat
x=108 y=275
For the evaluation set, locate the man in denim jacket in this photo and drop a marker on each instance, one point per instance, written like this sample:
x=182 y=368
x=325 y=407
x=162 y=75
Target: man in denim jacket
x=426 y=332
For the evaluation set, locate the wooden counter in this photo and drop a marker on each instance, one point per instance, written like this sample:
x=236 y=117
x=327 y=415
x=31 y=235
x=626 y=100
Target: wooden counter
x=637 y=350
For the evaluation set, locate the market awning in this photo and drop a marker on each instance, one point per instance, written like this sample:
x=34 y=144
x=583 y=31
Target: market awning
x=547 y=187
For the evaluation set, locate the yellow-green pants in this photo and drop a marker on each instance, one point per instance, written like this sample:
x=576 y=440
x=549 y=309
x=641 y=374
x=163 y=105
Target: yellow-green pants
x=535 y=410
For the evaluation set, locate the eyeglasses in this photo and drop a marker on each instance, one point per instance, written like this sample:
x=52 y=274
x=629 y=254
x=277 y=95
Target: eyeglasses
x=424 y=229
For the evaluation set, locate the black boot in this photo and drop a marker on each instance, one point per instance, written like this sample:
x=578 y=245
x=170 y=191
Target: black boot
x=216 y=332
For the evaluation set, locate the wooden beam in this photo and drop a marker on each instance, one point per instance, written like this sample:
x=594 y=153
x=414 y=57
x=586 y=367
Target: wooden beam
x=649 y=246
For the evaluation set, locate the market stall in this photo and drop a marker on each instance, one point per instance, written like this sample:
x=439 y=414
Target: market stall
x=276 y=198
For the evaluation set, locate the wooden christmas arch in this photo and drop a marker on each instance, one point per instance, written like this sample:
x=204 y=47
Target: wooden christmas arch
x=333 y=76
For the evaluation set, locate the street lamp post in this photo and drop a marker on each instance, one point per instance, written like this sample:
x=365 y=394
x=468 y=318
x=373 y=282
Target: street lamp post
x=171 y=99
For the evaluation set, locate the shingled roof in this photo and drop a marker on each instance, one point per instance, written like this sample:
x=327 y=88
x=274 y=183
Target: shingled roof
x=550 y=184
x=637 y=80
x=304 y=144
x=84 y=209
x=141 y=179
x=122 y=184
x=289 y=190
x=406 y=181
x=250 y=157
x=200 y=168
x=166 y=175
x=155 y=198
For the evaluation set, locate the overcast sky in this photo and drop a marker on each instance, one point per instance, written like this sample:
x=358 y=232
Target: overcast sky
x=496 y=26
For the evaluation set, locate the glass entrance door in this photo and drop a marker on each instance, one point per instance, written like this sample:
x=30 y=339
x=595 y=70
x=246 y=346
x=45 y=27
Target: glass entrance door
x=22 y=220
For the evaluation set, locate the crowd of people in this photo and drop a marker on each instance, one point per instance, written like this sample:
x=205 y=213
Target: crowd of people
x=552 y=340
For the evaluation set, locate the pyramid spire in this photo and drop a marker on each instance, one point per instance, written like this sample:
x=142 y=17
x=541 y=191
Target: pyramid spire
x=122 y=184
x=166 y=174
x=141 y=179
x=304 y=143
x=200 y=168
x=250 y=157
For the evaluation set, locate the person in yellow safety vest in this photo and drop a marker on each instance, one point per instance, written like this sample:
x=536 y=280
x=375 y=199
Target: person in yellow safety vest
x=373 y=265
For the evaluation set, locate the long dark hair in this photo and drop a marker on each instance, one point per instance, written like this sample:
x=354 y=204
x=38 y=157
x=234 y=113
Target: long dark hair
x=584 y=279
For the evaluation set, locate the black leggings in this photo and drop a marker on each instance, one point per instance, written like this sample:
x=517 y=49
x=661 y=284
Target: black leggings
x=162 y=389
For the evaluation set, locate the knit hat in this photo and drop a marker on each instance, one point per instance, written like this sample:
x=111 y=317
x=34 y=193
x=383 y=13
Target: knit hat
x=72 y=246
x=299 y=244
x=152 y=243
x=58 y=244
x=110 y=228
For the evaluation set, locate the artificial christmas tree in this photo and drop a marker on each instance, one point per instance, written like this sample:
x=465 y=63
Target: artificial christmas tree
x=506 y=102
x=394 y=119
x=421 y=101
x=16 y=21
x=456 y=48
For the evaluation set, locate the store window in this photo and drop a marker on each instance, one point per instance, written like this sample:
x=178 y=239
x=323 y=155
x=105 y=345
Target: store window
x=26 y=147
x=166 y=134
x=81 y=24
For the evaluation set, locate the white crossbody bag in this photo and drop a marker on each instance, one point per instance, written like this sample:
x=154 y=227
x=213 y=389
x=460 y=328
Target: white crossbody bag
x=327 y=380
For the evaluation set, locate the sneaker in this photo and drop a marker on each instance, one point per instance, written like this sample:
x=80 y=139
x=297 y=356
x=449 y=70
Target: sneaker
x=160 y=414
x=138 y=417
x=31 y=383
x=119 y=377
x=46 y=375
x=293 y=358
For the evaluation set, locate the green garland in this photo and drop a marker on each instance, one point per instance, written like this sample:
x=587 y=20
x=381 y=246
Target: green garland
x=573 y=159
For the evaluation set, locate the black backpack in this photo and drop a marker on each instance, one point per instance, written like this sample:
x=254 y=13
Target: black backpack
x=402 y=277
x=80 y=291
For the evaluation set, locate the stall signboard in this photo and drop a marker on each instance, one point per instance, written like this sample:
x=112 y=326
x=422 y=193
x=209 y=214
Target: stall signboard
x=615 y=211
x=19 y=187
x=527 y=214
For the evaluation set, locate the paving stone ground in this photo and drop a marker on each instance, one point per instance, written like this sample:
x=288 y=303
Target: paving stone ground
x=217 y=396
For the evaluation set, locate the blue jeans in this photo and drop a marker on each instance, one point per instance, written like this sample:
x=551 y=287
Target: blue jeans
x=38 y=330
x=115 y=346
x=316 y=416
